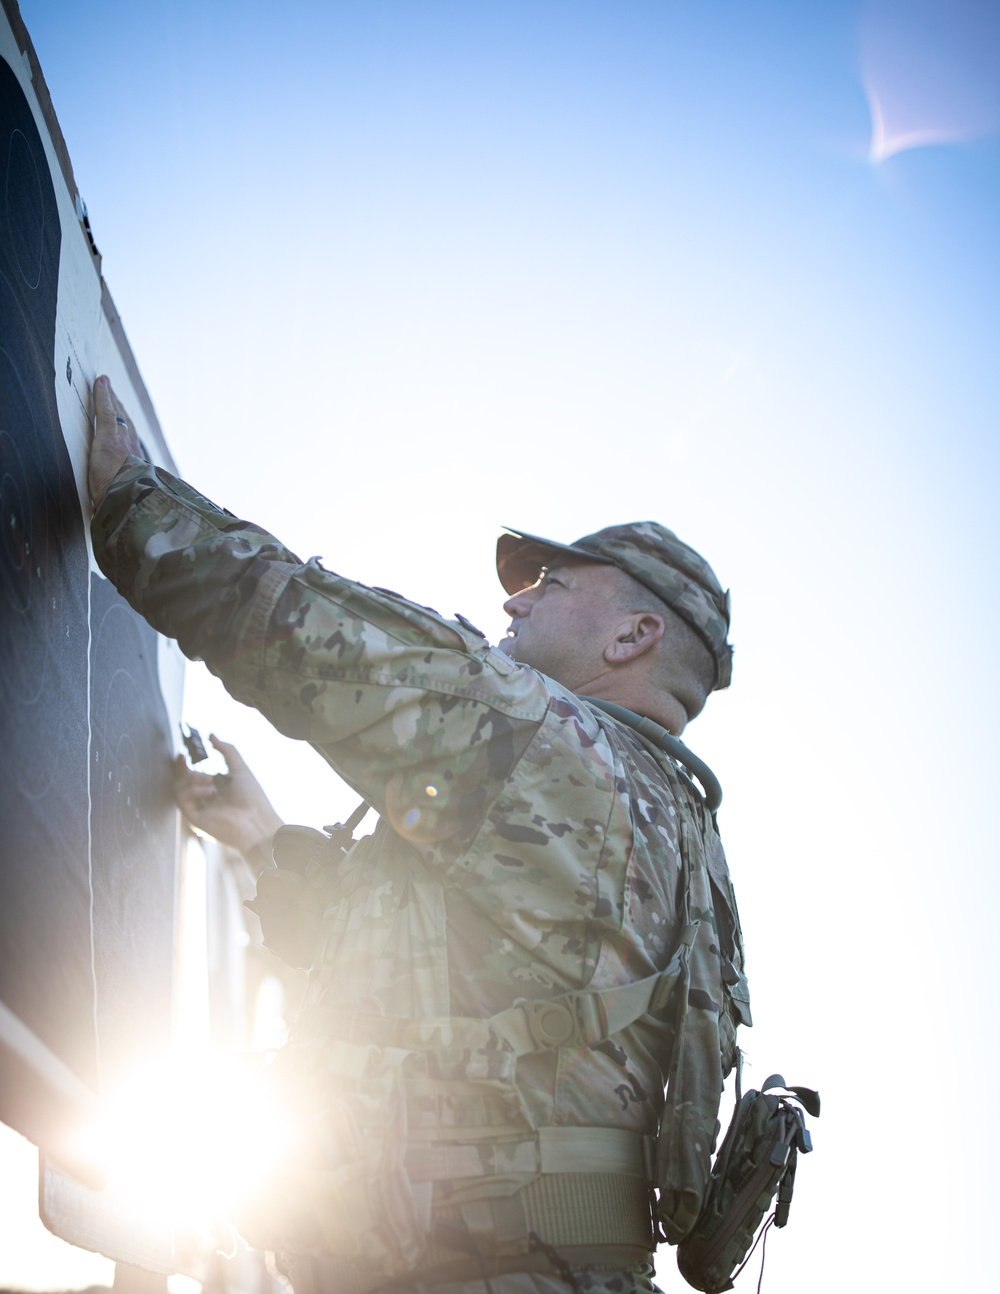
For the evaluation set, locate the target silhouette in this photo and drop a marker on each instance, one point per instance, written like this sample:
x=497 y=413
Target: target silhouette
x=133 y=832
x=89 y=844
x=47 y=977
x=87 y=852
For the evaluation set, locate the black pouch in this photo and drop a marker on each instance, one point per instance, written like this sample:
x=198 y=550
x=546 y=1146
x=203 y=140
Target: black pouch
x=291 y=896
x=755 y=1161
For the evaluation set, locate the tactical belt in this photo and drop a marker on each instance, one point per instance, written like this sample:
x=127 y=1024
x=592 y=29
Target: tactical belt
x=551 y=1150
x=596 y=1222
x=590 y=1209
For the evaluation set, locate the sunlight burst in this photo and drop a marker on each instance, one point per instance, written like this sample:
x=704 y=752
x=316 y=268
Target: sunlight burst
x=187 y=1142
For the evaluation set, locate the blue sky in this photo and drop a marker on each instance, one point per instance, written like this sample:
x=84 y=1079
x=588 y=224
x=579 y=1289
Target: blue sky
x=399 y=273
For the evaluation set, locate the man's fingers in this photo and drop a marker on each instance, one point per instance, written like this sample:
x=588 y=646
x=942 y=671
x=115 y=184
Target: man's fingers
x=191 y=777
x=104 y=400
x=194 y=799
x=194 y=788
x=120 y=410
x=112 y=416
x=114 y=439
x=234 y=760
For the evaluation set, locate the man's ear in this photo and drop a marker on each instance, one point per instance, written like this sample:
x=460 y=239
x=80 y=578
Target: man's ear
x=634 y=637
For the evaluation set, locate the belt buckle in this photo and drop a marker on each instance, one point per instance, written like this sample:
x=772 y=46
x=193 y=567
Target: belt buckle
x=551 y=1024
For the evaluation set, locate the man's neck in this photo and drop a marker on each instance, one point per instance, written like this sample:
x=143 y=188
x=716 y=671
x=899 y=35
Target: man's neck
x=662 y=708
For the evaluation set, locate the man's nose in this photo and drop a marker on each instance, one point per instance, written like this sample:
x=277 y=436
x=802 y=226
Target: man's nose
x=519 y=604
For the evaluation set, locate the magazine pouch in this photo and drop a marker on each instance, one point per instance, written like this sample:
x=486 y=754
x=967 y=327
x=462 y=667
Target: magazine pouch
x=756 y=1161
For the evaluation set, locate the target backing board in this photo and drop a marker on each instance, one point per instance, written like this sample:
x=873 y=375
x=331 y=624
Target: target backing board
x=91 y=695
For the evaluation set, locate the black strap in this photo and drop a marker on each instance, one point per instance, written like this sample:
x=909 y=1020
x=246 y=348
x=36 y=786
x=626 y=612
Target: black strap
x=353 y=820
x=806 y=1095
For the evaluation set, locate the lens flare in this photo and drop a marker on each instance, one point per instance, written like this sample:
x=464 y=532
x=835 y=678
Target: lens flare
x=931 y=72
x=184 y=1143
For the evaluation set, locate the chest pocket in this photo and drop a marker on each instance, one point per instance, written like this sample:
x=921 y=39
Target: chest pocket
x=382 y=938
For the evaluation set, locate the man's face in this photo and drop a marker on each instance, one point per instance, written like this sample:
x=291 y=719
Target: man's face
x=562 y=624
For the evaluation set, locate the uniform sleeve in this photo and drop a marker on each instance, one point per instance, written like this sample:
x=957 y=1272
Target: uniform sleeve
x=417 y=712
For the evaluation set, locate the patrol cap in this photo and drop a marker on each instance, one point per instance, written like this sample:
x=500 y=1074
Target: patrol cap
x=651 y=554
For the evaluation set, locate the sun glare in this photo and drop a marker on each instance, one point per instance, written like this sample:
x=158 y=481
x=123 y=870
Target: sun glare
x=184 y=1142
x=183 y=1139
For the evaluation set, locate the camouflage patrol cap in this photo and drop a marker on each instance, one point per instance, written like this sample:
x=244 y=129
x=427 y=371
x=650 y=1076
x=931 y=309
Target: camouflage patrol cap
x=651 y=554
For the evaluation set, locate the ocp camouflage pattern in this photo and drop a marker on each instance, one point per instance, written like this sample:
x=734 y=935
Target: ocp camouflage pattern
x=529 y=845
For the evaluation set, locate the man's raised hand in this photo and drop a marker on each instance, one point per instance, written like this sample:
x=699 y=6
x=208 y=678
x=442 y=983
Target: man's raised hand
x=114 y=440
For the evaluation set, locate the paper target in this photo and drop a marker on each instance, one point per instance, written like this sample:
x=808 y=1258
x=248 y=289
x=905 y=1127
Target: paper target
x=87 y=864
x=47 y=977
x=133 y=832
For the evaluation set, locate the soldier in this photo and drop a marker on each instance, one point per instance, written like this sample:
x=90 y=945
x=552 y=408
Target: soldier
x=539 y=933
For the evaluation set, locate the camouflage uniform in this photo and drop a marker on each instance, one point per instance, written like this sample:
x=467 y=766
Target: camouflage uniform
x=529 y=846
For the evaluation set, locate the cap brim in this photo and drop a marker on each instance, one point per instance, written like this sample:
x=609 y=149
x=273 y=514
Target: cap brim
x=521 y=558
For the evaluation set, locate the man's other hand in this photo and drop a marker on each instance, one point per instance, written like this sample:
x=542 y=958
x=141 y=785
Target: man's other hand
x=231 y=807
x=114 y=440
